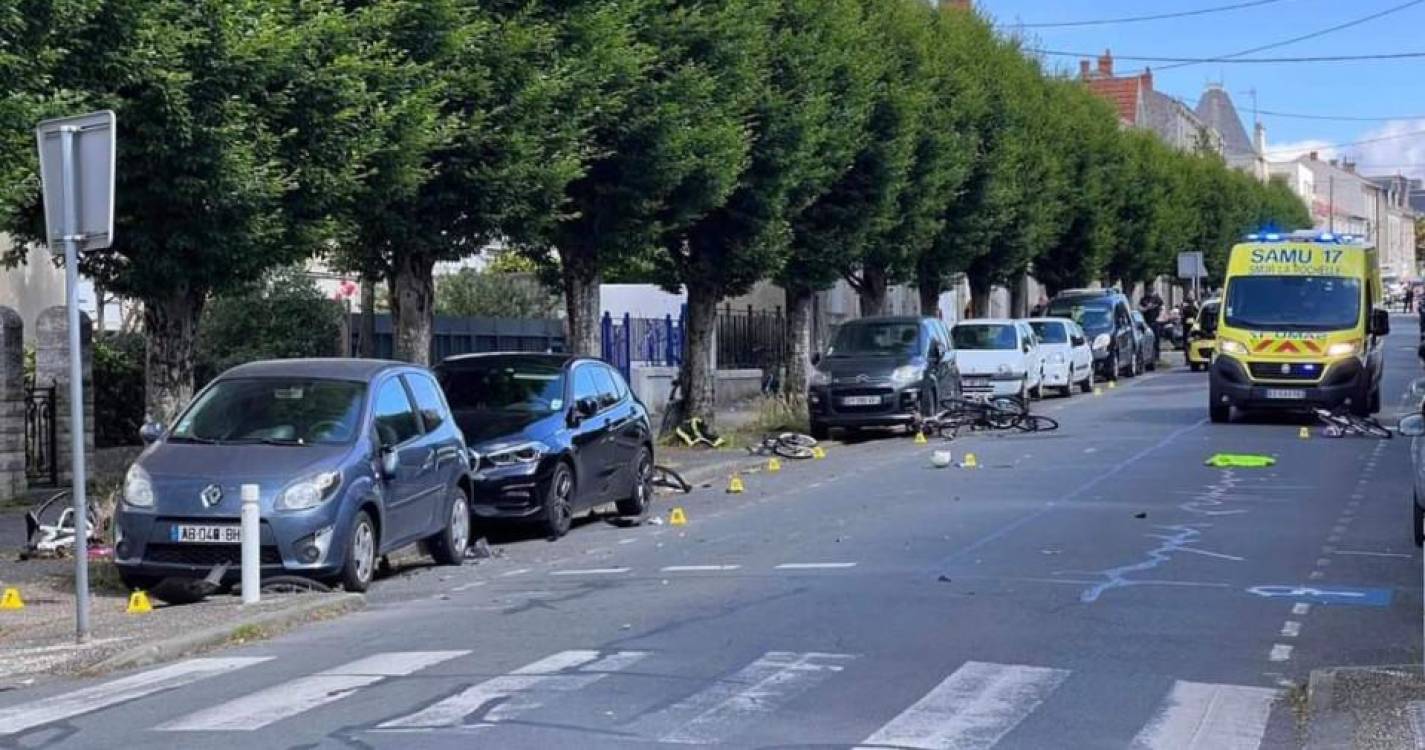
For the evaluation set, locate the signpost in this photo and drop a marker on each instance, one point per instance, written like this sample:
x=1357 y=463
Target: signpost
x=77 y=172
x=1191 y=266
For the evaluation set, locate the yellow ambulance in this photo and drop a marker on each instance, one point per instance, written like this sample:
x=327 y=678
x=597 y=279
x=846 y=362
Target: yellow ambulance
x=1302 y=324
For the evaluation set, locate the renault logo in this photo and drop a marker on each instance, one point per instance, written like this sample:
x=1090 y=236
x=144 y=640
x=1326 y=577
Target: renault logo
x=211 y=495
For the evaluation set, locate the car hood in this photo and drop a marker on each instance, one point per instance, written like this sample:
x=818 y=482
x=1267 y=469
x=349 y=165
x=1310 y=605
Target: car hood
x=851 y=366
x=484 y=428
x=987 y=362
x=181 y=471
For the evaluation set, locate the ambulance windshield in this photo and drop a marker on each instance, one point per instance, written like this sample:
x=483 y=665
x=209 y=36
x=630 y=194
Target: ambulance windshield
x=1293 y=303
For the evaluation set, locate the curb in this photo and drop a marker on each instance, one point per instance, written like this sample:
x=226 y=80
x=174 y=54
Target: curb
x=177 y=646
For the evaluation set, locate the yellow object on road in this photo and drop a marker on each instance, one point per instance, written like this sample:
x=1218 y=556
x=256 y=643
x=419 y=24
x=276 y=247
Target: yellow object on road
x=1097 y=391
x=734 y=485
x=1305 y=433
x=970 y=461
x=1112 y=384
x=818 y=452
x=1240 y=461
x=676 y=518
x=774 y=464
x=11 y=599
x=139 y=603
x=920 y=438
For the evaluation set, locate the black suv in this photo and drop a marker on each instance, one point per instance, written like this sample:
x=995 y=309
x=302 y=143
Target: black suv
x=1106 y=316
x=882 y=372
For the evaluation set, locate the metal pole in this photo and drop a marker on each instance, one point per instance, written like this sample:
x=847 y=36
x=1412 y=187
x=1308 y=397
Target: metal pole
x=76 y=384
x=1331 y=207
x=251 y=544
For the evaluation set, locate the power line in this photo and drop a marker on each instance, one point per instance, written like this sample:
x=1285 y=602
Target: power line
x=1139 y=19
x=1333 y=146
x=1340 y=118
x=1181 y=61
x=1304 y=37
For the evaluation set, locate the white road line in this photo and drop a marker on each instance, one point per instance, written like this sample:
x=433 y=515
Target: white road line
x=815 y=566
x=1322 y=562
x=257 y=710
x=628 y=541
x=1364 y=553
x=509 y=573
x=697 y=568
x=16 y=719
x=1210 y=717
x=527 y=688
x=971 y=709
x=1280 y=652
x=468 y=586
x=1300 y=608
x=1316 y=575
x=590 y=572
x=1291 y=629
x=762 y=687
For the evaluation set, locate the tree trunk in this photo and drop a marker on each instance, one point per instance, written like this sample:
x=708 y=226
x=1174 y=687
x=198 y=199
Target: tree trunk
x=929 y=284
x=170 y=332
x=413 y=306
x=1018 y=299
x=698 y=375
x=872 y=291
x=366 y=335
x=581 y=304
x=798 y=355
x=980 y=296
x=99 y=327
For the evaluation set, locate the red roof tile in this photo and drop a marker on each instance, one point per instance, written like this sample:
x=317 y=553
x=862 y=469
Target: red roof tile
x=1123 y=93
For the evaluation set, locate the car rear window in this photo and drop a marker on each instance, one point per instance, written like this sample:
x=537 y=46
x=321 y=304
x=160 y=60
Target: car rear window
x=985 y=336
x=1050 y=332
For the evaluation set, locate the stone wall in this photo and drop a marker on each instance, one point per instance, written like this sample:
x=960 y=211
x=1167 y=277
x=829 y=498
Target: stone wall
x=52 y=368
x=12 y=405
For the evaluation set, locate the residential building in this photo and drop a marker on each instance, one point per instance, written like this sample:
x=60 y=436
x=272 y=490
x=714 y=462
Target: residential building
x=1216 y=110
x=1343 y=201
x=38 y=283
x=1139 y=105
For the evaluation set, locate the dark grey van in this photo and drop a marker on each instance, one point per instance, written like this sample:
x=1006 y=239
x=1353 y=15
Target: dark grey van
x=1107 y=319
x=882 y=372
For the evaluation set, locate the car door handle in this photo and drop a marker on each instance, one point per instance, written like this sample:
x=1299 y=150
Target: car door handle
x=430 y=459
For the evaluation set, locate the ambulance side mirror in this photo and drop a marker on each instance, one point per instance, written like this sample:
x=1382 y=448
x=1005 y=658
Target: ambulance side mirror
x=1380 y=322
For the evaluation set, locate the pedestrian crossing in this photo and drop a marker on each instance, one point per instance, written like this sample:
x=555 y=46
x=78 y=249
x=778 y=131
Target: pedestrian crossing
x=975 y=706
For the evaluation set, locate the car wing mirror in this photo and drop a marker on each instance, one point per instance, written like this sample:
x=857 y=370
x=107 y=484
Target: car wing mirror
x=1412 y=426
x=390 y=462
x=150 y=432
x=1380 y=322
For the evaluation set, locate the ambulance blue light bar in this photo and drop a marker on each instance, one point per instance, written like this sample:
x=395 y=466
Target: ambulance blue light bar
x=1305 y=236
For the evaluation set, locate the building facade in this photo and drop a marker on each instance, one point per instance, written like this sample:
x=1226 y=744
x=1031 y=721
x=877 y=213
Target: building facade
x=1344 y=201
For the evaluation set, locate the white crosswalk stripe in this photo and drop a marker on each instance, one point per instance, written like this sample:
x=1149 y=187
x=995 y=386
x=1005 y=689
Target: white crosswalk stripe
x=1216 y=717
x=16 y=719
x=761 y=687
x=525 y=689
x=971 y=709
x=257 y=710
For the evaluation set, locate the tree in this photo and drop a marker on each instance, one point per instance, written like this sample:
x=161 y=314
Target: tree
x=221 y=174
x=282 y=316
x=491 y=294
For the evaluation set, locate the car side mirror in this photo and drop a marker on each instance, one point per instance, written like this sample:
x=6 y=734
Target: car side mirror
x=390 y=462
x=587 y=407
x=151 y=432
x=1412 y=426
x=1380 y=323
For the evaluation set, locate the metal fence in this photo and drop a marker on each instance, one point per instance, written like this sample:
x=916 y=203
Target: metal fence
x=41 y=437
x=650 y=341
x=748 y=339
x=456 y=335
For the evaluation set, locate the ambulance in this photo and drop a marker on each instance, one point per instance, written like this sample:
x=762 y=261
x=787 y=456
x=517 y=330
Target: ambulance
x=1302 y=324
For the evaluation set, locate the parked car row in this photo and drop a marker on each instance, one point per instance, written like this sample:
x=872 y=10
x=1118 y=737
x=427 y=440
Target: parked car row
x=354 y=459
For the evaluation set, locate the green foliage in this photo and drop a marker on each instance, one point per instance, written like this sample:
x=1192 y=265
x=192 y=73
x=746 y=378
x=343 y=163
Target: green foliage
x=283 y=316
x=118 y=389
x=489 y=294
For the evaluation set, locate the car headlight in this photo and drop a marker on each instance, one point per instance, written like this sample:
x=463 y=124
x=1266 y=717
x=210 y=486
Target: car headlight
x=1343 y=348
x=138 y=487
x=906 y=374
x=1101 y=341
x=308 y=492
x=1233 y=347
x=524 y=453
x=1057 y=359
x=819 y=377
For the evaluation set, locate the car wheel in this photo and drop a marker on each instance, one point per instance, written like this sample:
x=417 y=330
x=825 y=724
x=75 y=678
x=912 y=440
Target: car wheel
x=360 y=566
x=1153 y=363
x=1217 y=411
x=820 y=431
x=1134 y=365
x=1374 y=401
x=637 y=503
x=1418 y=516
x=559 y=502
x=137 y=581
x=1113 y=367
x=448 y=546
x=1037 y=392
x=1088 y=384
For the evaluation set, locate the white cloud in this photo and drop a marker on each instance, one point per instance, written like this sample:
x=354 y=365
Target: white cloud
x=1400 y=153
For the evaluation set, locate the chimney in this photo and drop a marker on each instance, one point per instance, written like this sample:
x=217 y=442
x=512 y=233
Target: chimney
x=1334 y=163
x=1259 y=139
x=1147 y=79
x=1350 y=166
x=1084 y=69
x=1105 y=64
x=1314 y=156
x=958 y=4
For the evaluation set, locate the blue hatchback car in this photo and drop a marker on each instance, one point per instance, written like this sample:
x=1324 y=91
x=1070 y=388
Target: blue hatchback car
x=354 y=459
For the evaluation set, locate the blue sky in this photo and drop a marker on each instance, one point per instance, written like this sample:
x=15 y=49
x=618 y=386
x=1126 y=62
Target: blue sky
x=1360 y=89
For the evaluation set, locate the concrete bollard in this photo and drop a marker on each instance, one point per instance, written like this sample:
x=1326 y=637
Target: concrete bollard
x=251 y=545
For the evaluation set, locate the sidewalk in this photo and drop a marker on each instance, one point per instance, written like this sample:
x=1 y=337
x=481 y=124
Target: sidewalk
x=1371 y=708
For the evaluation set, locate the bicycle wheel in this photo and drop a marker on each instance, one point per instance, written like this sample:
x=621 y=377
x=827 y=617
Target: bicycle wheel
x=786 y=450
x=1370 y=428
x=666 y=477
x=1002 y=418
x=1036 y=423
x=797 y=439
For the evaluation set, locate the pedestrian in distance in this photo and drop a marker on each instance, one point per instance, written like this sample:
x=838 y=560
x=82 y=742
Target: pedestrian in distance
x=1409 y=298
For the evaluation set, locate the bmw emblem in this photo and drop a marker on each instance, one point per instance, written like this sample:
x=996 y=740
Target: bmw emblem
x=1286 y=369
x=211 y=495
x=863 y=378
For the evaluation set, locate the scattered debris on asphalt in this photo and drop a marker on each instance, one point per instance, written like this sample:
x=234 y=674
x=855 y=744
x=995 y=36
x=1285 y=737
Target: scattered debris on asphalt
x=1140 y=514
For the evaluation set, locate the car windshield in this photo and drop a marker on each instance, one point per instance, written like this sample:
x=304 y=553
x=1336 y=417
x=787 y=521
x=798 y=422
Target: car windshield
x=991 y=336
x=526 y=387
x=1050 y=332
x=282 y=411
x=1207 y=317
x=1293 y=303
x=883 y=338
x=1091 y=314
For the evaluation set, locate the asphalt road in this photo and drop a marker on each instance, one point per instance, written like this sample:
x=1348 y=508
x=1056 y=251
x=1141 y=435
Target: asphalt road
x=1094 y=587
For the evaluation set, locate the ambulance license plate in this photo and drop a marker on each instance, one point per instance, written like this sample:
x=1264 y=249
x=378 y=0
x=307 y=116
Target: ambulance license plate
x=1286 y=394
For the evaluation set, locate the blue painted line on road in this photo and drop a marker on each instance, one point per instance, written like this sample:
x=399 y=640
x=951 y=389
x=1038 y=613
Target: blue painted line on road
x=1092 y=483
x=1353 y=596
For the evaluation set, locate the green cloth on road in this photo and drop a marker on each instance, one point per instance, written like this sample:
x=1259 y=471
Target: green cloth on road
x=1240 y=460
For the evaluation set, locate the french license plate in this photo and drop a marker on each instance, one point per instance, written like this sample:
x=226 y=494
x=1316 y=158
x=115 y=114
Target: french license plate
x=977 y=382
x=206 y=534
x=1286 y=394
x=860 y=400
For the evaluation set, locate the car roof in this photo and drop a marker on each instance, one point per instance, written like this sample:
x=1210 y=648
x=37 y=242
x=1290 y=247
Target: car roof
x=1049 y=319
x=335 y=368
x=1070 y=293
x=544 y=358
x=989 y=321
x=890 y=319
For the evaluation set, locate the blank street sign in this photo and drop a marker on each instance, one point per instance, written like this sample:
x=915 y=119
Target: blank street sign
x=94 y=173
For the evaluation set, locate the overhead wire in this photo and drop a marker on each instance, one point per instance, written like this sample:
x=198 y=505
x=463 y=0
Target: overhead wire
x=1304 y=37
x=1142 y=19
x=1183 y=61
